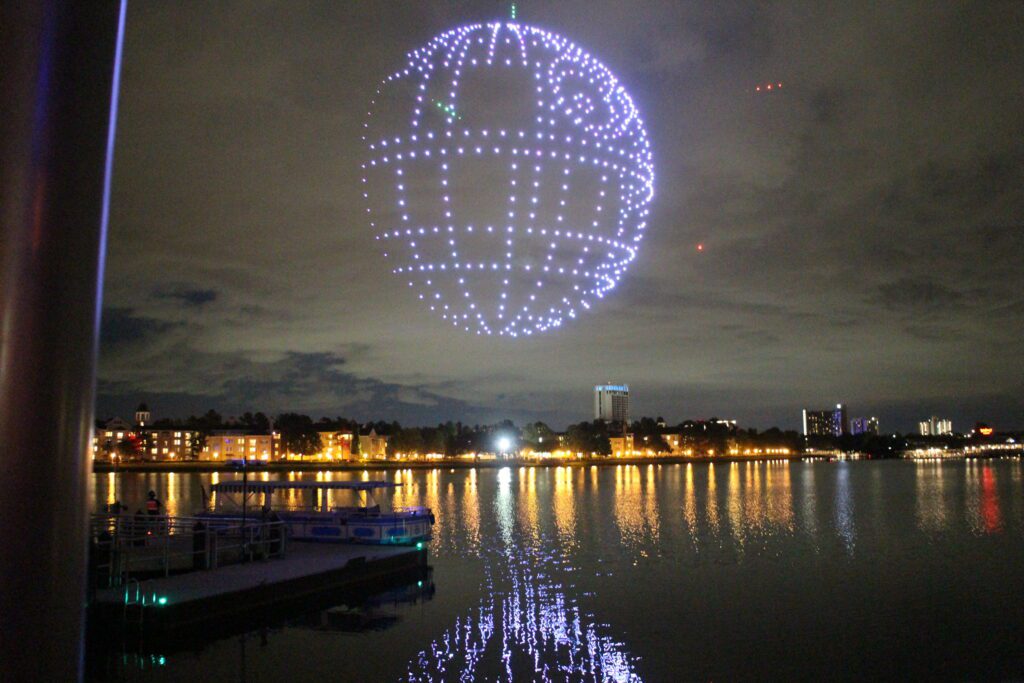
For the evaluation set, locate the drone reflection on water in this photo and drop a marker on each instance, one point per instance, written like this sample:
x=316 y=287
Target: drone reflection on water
x=529 y=621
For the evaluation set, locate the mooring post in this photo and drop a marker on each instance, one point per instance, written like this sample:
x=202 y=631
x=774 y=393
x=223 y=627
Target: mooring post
x=57 y=89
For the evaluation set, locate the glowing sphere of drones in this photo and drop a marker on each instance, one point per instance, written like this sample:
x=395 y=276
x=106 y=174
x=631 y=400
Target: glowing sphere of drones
x=508 y=179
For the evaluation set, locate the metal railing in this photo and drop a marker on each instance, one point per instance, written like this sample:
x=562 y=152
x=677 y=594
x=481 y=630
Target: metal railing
x=125 y=547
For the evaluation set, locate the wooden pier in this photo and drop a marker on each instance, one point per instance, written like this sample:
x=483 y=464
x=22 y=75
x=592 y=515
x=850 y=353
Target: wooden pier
x=200 y=598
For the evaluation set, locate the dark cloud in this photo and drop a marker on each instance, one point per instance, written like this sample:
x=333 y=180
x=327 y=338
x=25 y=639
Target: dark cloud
x=918 y=294
x=120 y=328
x=187 y=295
x=862 y=226
x=310 y=382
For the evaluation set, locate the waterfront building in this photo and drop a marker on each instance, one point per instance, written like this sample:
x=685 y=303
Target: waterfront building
x=935 y=426
x=373 y=446
x=622 y=446
x=611 y=402
x=239 y=444
x=168 y=444
x=864 y=425
x=335 y=445
x=107 y=436
x=826 y=422
x=116 y=439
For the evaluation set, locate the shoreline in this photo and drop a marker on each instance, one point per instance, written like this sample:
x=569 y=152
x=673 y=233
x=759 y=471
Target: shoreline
x=200 y=466
x=320 y=466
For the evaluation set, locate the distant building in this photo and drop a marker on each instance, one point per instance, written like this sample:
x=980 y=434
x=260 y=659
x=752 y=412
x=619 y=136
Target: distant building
x=142 y=415
x=622 y=446
x=115 y=439
x=168 y=444
x=373 y=446
x=335 y=445
x=239 y=444
x=864 y=425
x=981 y=429
x=826 y=422
x=935 y=426
x=611 y=402
x=108 y=436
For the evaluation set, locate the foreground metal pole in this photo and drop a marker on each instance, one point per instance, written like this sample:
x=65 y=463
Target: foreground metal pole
x=58 y=74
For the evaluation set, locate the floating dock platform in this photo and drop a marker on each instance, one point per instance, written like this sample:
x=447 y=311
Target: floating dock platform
x=184 y=601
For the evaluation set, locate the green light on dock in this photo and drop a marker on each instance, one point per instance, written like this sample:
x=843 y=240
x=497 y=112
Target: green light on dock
x=419 y=545
x=162 y=660
x=513 y=11
x=161 y=601
x=419 y=584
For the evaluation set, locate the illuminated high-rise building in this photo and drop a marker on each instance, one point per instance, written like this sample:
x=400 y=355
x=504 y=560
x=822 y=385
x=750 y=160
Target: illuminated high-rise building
x=864 y=425
x=826 y=422
x=611 y=402
x=935 y=426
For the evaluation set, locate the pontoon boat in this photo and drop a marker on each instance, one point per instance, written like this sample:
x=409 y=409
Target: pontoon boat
x=336 y=511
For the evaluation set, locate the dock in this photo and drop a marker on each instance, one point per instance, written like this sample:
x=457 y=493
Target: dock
x=176 y=602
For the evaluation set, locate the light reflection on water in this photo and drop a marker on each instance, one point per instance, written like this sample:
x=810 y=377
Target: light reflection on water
x=622 y=572
x=983 y=508
x=844 y=508
x=529 y=614
x=931 y=501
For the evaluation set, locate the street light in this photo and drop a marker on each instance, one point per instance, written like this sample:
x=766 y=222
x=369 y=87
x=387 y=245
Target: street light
x=504 y=444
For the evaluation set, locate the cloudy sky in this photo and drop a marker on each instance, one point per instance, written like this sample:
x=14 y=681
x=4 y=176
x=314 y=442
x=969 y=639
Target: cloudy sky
x=862 y=227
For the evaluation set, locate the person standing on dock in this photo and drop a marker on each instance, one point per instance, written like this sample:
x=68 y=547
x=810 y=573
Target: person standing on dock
x=153 y=504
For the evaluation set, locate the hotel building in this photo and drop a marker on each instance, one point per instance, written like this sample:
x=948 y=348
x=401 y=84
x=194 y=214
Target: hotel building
x=864 y=425
x=935 y=426
x=826 y=422
x=611 y=402
x=237 y=445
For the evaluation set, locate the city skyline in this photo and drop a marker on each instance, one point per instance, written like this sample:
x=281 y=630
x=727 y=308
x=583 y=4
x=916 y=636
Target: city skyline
x=846 y=236
x=607 y=401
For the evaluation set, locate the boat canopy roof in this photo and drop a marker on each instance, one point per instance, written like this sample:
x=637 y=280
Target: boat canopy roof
x=271 y=486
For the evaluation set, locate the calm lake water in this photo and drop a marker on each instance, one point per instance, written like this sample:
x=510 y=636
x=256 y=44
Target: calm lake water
x=841 y=570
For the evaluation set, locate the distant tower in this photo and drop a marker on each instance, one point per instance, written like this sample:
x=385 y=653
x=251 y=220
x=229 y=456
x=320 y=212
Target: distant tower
x=142 y=416
x=826 y=422
x=611 y=402
x=842 y=425
x=864 y=425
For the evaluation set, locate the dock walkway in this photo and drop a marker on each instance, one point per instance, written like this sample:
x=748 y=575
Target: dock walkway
x=309 y=568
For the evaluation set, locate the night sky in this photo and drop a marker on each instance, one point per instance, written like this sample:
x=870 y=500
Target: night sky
x=861 y=227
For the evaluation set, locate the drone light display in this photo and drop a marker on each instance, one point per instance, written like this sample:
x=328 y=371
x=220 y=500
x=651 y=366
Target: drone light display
x=509 y=177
